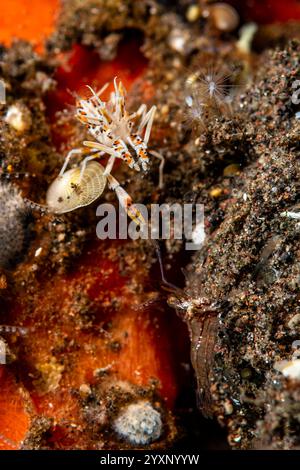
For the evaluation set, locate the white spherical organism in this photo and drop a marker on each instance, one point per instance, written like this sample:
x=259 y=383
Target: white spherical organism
x=139 y=423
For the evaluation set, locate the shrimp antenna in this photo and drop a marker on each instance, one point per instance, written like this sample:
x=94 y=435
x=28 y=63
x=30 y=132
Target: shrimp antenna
x=40 y=208
x=34 y=205
x=74 y=94
x=165 y=282
x=98 y=92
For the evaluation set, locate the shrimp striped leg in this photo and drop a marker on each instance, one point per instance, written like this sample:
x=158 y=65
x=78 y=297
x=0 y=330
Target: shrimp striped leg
x=126 y=201
x=119 y=150
x=147 y=121
x=141 y=150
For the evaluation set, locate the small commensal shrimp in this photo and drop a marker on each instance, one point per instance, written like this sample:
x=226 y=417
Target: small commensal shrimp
x=115 y=133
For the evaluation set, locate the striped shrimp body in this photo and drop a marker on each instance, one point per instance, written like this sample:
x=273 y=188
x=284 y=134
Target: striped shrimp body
x=112 y=127
x=74 y=189
x=115 y=133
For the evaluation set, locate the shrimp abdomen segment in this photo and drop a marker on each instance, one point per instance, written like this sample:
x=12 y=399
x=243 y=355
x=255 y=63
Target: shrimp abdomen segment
x=73 y=189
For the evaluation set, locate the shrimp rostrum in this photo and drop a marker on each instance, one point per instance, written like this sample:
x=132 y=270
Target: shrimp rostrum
x=114 y=133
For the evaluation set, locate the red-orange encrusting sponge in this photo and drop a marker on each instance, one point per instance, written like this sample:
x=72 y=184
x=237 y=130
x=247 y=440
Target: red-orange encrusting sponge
x=268 y=11
x=14 y=416
x=32 y=20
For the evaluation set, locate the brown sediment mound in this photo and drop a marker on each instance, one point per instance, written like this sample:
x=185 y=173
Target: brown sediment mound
x=243 y=285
